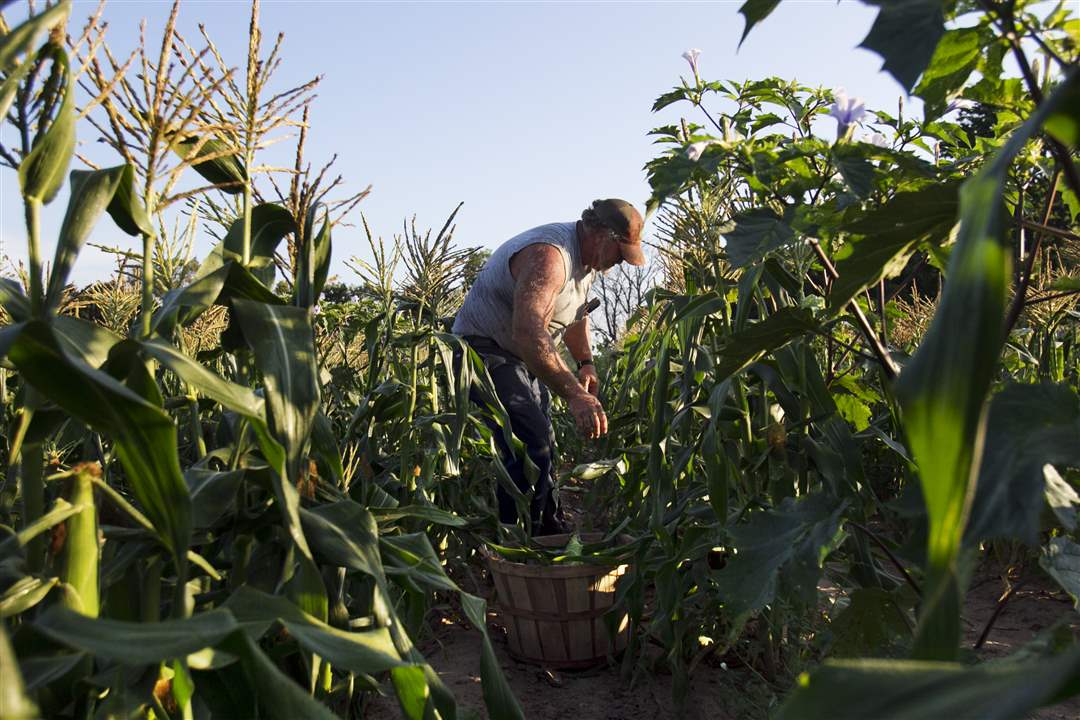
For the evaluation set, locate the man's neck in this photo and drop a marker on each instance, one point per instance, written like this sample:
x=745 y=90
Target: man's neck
x=586 y=250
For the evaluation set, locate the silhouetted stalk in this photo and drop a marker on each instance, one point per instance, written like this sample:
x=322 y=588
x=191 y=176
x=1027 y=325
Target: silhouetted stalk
x=1020 y=298
x=32 y=210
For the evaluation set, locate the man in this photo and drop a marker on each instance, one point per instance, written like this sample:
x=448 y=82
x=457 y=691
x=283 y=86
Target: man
x=532 y=291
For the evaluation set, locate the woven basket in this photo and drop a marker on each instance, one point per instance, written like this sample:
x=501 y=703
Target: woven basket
x=554 y=614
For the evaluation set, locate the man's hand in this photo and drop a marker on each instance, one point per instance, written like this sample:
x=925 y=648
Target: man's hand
x=589 y=415
x=589 y=380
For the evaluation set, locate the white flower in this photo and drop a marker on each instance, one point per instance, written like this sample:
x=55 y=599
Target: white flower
x=960 y=104
x=879 y=140
x=847 y=111
x=691 y=57
x=695 y=150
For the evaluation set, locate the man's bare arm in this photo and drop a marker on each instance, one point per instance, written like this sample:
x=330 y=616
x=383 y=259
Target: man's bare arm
x=576 y=338
x=540 y=274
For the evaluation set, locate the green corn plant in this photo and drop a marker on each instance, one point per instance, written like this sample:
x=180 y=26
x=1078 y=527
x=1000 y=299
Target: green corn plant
x=80 y=563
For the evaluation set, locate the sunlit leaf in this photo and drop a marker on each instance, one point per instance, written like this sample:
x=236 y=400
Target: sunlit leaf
x=905 y=35
x=911 y=690
x=943 y=388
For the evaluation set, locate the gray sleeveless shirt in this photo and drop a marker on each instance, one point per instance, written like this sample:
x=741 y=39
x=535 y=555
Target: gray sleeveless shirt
x=488 y=309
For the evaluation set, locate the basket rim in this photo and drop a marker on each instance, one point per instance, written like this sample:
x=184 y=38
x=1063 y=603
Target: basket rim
x=499 y=564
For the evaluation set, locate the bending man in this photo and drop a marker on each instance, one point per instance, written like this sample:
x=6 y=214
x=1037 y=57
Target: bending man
x=532 y=291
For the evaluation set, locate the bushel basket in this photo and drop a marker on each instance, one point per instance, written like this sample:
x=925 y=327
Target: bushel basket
x=554 y=614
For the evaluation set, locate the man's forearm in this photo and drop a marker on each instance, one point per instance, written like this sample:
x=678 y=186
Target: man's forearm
x=542 y=358
x=576 y=338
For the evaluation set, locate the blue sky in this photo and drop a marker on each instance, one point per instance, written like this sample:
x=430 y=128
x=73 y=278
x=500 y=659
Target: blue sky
x=525 y=112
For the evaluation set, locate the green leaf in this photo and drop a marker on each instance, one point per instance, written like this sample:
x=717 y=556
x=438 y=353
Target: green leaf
x=227 y=170
x=739 y=349
x=368 y=652
x=905 y=34
x=754 y=234
x=13 y=300
x=234 y=397
x=873 y=624
x=313 y=259
x=1061 y=560
x=283 y=344
x=855 y=167
x=498 y=697
x=1062 y=497
x=270 y=223
x=15 y=704
x=911 y=690
x=1027 y=427
x=83 y=339
x=779 y=549
x=212 y=493
x=24 y=594
x=21 y=41
x=41 y=172
x=412 y=690
x=755 y=11
x=279 y=696
x=92 y=192
x=669 y=98
x=943 y=388
x=853 y=410
x=145 y=436
x=136 y=643
x=956 y=57
x=214 y=284
x=60 y=512
x=23 y=37
x=885 y=237
x=428 y=513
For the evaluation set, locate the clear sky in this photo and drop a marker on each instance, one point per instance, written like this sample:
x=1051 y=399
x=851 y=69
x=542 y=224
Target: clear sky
x=526 y=112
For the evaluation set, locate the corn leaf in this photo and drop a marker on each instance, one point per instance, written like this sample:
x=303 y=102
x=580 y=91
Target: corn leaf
x=24 y=594
x=283 y=343
x=22 y=38
x=15 y=704
x=144 y=434
x=227 y=170
x=942 y=391
x=92 y=192
x=313 y=259
x=41 y=172
x=369 y=652
x=912 y=690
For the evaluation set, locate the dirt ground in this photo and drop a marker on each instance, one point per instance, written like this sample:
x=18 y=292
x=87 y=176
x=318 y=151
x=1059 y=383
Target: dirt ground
x=1035 y=606
x=716 y=692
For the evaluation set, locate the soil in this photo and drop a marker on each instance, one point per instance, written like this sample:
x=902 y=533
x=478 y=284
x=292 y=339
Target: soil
x=716 y=692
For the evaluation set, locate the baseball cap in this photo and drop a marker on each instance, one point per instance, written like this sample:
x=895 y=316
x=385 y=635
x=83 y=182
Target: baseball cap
x=621 y=217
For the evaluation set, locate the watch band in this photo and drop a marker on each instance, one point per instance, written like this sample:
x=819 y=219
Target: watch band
x=583 y=363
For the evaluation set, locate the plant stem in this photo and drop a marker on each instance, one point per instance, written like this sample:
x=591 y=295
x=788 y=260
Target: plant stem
x=147 y=285
x=888 y=365
x=31 y=474
x=1020 y=297
x=33 y=228
x=997 y=611
x=884 y=548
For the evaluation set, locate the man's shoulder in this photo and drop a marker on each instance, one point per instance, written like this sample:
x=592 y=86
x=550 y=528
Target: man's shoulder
x=551 y=232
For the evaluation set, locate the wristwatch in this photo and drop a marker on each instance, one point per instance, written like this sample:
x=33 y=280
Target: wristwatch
x=583 y=363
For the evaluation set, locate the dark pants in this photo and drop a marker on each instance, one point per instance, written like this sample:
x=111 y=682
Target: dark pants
x=528 y=403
